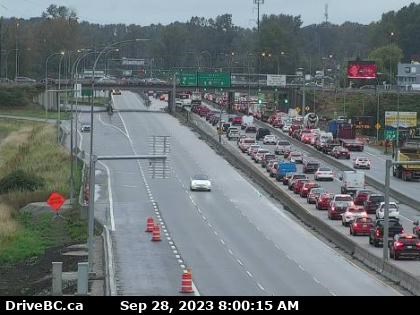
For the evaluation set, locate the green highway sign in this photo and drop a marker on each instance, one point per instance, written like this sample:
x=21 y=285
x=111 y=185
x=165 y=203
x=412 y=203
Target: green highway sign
x=187 y=79
x=86 y=92
x=390 y=134
x=214 y=79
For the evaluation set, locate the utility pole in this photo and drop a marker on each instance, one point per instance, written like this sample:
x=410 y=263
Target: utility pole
x=258 y=3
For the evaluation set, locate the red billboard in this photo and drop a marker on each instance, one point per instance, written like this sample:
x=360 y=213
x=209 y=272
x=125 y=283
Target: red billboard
x=362 y=70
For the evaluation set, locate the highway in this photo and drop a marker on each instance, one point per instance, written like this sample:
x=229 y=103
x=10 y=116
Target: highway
x=407 y=214
x=236 y=240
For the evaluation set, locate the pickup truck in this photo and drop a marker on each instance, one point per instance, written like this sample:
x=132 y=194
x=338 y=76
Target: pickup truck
x=283 y=168
x=377 y=232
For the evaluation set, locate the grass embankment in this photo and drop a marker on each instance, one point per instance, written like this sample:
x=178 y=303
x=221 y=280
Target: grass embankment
x=98 y=101
x=34 y=111
x=32 y=149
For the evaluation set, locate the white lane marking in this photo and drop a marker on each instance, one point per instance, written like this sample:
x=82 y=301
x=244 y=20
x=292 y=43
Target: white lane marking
x=316 y=280
x=223 y=242
x=239 y=262
x=406 y=218
x=128 y=186
x=260 y=286
x=249 y=274
x=111 y=272
x=110 y=199
x=112 y=126
x=332 y=293
x=215 y=233
x=301 y=268
x=230 y=252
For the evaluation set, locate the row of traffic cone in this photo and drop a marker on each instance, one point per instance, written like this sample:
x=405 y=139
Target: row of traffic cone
x=186 y=282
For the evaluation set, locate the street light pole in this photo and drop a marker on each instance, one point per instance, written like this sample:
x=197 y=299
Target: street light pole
x=16 y=60
x=46 y=81
x=58 y=99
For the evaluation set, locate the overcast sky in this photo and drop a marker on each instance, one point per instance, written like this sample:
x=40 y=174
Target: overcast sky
x=145 y=12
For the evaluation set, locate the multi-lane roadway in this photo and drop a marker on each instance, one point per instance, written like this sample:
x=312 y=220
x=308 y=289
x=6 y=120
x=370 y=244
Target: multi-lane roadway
x=236 y=240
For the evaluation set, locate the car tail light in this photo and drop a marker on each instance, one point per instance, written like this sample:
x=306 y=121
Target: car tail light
x=418 y=245
x=355 y=225
x=378 y=233
x=399 y=244
x=332 y=208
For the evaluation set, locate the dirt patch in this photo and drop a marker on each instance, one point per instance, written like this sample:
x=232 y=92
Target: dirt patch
x=33 y=277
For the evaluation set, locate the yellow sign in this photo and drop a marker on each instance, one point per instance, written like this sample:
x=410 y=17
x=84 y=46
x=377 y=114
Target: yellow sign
x=401 y=119
x=378 y=126
x=297 y=109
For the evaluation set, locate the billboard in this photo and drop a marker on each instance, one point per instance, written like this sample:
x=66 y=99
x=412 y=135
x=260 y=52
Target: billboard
x=362 y=70
x=132 y=62
x=276 y=80
x=363 y=122
x=406 y=119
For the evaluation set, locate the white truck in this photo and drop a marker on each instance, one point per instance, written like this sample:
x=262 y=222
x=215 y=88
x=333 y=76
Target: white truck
x=352 y=181
x=196 y=98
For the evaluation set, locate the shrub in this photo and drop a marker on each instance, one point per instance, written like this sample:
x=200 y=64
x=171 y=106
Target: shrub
x=19 y=180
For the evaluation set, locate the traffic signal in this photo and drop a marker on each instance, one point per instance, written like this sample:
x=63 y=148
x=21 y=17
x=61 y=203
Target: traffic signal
x=259 y=101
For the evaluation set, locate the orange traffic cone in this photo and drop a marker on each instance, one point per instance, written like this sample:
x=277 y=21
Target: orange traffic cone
x=186 y=283
x=156 y=233
x=150 y=224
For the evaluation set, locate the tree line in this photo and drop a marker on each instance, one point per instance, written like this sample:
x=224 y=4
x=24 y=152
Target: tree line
x=281 y=46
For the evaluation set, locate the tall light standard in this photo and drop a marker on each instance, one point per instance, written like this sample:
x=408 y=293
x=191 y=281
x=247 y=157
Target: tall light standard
x=16 y=60
x=46 y=80
x=59 y=98
x=91 y=159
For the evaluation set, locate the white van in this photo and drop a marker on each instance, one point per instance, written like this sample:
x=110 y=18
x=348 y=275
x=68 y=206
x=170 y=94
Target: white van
x=352 y=181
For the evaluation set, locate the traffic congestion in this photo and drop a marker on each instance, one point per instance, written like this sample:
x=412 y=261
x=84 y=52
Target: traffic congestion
x=340 y=197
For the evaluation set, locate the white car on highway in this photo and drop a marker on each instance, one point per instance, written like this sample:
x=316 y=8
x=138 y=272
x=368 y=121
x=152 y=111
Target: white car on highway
x=393 y=210
x=324 y=173
x=286 y=128
x=361 y=162
x=352 y=213
x=296 y=157
x=200 y=182
x=270 y=139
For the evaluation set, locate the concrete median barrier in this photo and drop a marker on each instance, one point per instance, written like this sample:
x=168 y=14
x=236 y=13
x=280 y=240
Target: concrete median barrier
x=209 y=134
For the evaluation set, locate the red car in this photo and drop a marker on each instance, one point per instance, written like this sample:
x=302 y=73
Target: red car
x=337 y=208
x=237 y=121
x=323 y=202
x=298 y=185
x=405 y=246
x=306 y=188
x=361 y=226
x=361 y=196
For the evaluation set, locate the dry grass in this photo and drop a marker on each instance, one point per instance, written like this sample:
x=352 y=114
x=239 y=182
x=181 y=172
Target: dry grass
x=8 y=225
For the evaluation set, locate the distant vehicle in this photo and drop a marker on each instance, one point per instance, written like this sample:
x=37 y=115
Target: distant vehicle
x=294 y=179
x=270 y=139
x=267 y=158
x=314 y=194
x=361 y=195
x=259 y=155
x=183 y=99
x=310 y=166
x=307 y=187
x=237 y=121
x=405 y=246
x=372 y=202
x=324 y=201
x=196 y=98
x=200 y=182
x=295 y=157
x=351 y=214
x=261 y=133
x=340 y=152
x=361 y=226
x=85 y=128
x=393 y=210
x=24 y=80
x=250 y=129
x=284 y=168
x=361 y=162
x=377 y=231
x=310 y=121
x=233 y=134
x=409 y=152
x=352 y=181
x=282 y=147
x=324 y=173
x=297 y=187
x=338 y=206
x=116 y=92
x=245 y=143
